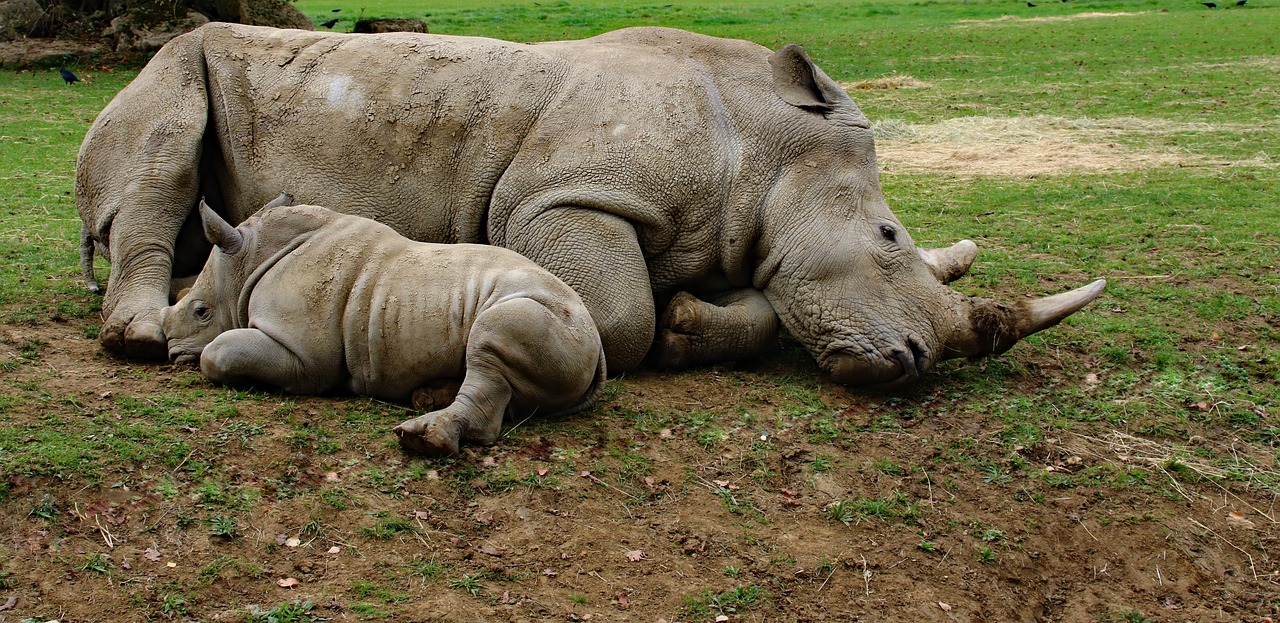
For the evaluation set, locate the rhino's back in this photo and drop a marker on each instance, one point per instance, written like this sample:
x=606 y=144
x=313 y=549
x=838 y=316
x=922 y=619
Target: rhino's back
x=409 y=129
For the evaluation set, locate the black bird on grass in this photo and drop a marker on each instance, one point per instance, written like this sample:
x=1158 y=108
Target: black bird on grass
x=1241 y=2
x=335 y=10
x=1031 y=5
x=330 y=23
x=67 y=76
x=1211 y=5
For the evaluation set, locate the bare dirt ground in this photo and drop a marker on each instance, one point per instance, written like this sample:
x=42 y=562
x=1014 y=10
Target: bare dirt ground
x=681 y=497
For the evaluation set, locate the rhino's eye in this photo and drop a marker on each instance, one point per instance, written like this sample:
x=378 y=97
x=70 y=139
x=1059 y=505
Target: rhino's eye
x=202 y=312
x=888 y=233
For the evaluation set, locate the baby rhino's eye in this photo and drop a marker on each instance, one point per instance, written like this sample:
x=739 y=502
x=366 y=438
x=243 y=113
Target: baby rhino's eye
x=888 y=233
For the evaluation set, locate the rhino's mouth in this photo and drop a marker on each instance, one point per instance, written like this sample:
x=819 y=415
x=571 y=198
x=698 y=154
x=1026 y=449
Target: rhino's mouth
x=890 y=368
x=183 y=357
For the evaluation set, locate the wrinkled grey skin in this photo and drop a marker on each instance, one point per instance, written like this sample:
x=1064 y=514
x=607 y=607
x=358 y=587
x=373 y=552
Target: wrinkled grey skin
x=695 y=191
x=310 y=300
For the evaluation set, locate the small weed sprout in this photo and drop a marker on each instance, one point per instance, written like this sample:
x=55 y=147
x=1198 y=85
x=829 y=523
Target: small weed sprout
x=994 y=475
x=468 y=583
x=822 y=464
x=174 y=605
x=732 y=571
x=991 y=535
x=928 y=546
x=426 y=569
x=841 y=511
x=578 y=599
x=986 y=555
x=96 y=562
x=223 y=526
x=294 y=612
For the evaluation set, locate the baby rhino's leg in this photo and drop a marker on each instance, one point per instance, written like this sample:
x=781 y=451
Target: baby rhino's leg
x=437 y=394
x=251 y=357
x=518 y=351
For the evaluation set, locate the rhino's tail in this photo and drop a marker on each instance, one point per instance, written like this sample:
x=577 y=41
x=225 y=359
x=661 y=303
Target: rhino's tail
x=86 y=259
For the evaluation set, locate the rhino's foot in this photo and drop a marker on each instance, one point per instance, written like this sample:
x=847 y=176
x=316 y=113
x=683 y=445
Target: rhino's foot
x=678 y=330
x=683 y=314
x=139 y=340
x=432 y=434
x=435 y=395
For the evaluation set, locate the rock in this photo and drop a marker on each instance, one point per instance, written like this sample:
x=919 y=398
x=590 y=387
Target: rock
x=390 y=25
x=132 y=33
x=277 y=13
x=18 y=18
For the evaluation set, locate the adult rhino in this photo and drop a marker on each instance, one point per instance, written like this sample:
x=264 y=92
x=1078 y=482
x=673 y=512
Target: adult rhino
x=639 y=165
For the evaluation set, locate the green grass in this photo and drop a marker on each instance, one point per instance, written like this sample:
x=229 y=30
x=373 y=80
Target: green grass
x=1182 y=353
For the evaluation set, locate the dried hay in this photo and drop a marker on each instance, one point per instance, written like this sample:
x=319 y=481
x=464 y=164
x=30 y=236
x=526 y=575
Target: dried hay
x=1031 y=146
x=969 y=23
x=896 y=81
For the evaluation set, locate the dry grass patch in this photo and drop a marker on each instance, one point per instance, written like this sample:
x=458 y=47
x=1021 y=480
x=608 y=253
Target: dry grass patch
x=968 y=23
x=1034 y=146
x=896 y=81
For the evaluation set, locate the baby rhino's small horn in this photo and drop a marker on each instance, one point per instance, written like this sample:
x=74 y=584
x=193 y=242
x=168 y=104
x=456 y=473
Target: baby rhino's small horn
x=220 y=232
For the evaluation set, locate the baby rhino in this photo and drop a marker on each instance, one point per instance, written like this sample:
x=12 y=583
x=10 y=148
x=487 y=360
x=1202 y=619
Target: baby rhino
x=310 y=300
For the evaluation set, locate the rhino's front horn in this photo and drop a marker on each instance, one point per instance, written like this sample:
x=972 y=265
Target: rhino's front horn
x=950 y=263
x=220 y=232
x=993 y=327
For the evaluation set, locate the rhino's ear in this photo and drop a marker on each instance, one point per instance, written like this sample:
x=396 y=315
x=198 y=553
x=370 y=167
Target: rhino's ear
x=800 y=83
x=220 y=232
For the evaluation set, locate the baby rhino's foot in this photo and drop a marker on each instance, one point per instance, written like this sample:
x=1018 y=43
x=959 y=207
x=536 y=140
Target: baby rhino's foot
x=435 y=395
x=433 y=434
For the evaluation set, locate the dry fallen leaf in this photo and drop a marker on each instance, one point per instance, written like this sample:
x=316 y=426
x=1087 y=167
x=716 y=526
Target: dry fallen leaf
x=722 y=618
x=489 y=461
x=170 y=564
x=623 y=601
x=551 y=573
x=542 y=471
x=331 y=476
x=946 y=607
x=635 y=555
x=1091 y=378
x=420 y=515
x=288 y=582
x=9 y=603
x=1238 y=519
x=281 y=538
x=151 y=554
x=292 y=541
x=335 y=549
x=1215 y=336
x=489 y=550
x=666 y=433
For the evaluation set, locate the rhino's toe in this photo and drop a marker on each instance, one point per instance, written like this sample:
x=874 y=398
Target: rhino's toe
x=144 y=340
x=430 y=435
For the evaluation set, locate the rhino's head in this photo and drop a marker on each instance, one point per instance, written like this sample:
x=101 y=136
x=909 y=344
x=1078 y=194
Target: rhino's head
x=210 y=307
x=843 y=273
x=218 y=301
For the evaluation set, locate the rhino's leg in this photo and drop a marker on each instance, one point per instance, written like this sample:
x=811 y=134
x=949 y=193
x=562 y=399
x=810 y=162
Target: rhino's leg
x=736 y=325
x=598 y=255
x=136 y=182
x=251 y=357
x=519 y=353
